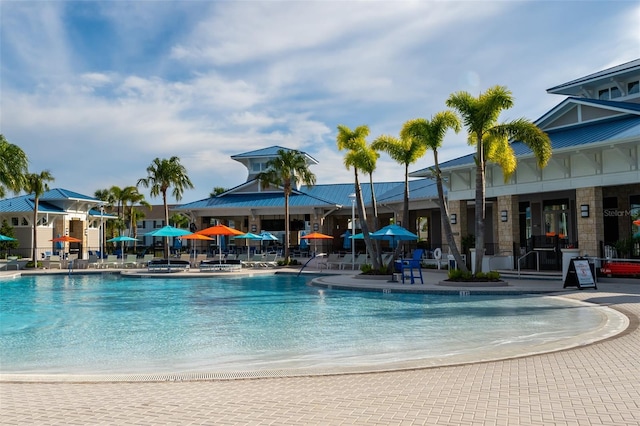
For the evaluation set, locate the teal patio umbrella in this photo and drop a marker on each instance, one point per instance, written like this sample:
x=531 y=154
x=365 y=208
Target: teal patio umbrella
x=394 y=233
x=249 y=237
x=168 y=231
x=5 y=238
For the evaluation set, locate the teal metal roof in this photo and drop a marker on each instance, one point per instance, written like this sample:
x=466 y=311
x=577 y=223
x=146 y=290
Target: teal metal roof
x=271 y=151
x=579 y=135
x=25 y=203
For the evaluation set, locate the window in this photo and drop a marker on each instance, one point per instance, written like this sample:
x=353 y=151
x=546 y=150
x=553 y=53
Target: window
x=615 y=92
x=14 y=221
x=633 y=87
x=603 y=94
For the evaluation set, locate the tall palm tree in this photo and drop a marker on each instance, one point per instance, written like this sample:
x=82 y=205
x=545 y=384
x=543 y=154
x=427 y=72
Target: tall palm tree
x=364 y=158
x=36 y=184
x=431 y=134
x=354 y=141
x=133 y=198
x=287 y=169
x=480 y=116
x=13 y=167
x=406 y=150
x=163 y=174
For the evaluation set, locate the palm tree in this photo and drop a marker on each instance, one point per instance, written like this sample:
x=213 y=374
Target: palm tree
x=162 y=174
x=406 y=150
x=431 y=134
x=364 y=158
x=480 y=116
x=287 y=169
x=354 y=141
x=132 y=198
x=13 y=167
x=36 y=184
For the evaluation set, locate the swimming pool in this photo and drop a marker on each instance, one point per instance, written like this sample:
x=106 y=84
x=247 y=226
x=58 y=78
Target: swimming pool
x=110 y=325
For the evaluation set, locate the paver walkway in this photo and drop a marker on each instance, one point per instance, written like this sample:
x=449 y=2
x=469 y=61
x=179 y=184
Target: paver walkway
x=598 y=384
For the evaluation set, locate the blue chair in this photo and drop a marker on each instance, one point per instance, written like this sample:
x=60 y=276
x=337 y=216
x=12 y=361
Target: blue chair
x=412 y=266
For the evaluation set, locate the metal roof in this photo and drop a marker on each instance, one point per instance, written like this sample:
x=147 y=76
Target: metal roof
x=271 y=151
x=25 y=203
x=418 y=189
x=622 y=69
x=65 y=194
x=579 y=135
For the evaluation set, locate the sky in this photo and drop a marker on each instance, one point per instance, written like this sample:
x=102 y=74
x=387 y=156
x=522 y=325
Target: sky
x=94 y=91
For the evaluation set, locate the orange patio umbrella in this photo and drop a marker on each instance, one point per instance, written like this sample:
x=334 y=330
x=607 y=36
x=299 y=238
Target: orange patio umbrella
x=220 y=230
x=316 y=236
x=66 y=239
x=195 y=237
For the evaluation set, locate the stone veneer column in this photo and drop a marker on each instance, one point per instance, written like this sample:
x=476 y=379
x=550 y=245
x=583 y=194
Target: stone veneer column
x=590 y=229
x=508 y=231
x=459 y=208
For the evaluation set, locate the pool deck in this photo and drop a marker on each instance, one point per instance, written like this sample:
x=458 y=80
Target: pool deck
x=595 y=384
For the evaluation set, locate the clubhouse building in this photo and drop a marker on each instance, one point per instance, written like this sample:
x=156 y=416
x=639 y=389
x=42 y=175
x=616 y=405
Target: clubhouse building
x=585 y=199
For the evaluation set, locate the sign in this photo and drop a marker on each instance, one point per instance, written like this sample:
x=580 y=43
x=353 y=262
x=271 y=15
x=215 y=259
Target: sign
x=580 y=274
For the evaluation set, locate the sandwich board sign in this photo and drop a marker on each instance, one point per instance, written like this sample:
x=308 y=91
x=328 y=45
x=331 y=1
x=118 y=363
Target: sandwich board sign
x=580 y=274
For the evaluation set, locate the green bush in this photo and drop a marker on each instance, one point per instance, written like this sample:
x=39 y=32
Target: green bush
x=30 y=264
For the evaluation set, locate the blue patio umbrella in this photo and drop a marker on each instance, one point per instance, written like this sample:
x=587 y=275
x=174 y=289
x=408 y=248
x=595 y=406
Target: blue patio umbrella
x=168 y=231
x=121 y=239
x=394 y=233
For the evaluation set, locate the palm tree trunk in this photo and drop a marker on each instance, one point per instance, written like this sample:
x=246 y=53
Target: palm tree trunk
x=362 y=214
x=35 y=232
x=286 y=228
x=166 y=222
x=479 y=204
x=446 y=224
x=376 y=255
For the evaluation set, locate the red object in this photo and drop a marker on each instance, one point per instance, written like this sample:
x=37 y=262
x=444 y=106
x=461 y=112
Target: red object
x=621 y=268
x=66 y=239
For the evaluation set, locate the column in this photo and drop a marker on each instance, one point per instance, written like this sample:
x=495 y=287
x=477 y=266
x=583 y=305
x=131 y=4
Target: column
x=590 y=220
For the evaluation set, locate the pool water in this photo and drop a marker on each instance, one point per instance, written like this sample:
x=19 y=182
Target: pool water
x=107 y=324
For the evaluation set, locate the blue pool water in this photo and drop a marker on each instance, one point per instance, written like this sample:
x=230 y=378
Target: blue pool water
x=97 y=324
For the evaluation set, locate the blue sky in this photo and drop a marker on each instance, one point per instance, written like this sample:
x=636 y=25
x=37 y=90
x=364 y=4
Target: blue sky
x=94 y=91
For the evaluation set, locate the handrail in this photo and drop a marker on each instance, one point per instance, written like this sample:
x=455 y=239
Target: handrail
x=527 y=254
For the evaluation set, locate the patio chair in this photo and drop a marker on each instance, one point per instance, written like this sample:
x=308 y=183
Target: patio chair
x=131 y=261
x=111 y=261
x=145 y=260
x=12 y=261
x=54 y=260
x=332 y=259
x=412 y=266
x=347 y=260
x=362 y=259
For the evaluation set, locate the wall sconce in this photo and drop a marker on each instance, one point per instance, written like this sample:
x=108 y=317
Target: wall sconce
x=584 y=210
x=315 y=227
x=454 y=218
x=254 y=228
x=504 y=215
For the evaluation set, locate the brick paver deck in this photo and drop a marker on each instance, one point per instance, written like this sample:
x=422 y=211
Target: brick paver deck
x=598 y=384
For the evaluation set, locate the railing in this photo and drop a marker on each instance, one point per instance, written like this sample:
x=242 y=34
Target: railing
x=527 y=254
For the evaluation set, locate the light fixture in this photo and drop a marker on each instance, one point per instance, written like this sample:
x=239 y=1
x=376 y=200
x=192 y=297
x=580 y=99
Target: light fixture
x=584 y=210
x=454 y=218
x=504 y=215
x=316 y=227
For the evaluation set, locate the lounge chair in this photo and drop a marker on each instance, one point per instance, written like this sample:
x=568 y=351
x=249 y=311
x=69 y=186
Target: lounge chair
x=333 y=259
x=362 y=259
x=255 y=260
x=54 y=260
x=145 y=260
x=347 y=260
x=215 y=265
x=12 y=261
x=131 y=261
x=110 y=261
x=199 y=258
x=168 y=265
x=269 y=261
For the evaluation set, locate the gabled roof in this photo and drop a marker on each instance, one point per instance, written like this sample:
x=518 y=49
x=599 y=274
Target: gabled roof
x=619 y=71
x=65 y=194
x=271 y=151
x=25 y=203
x=615 y=107
x=580 y=135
